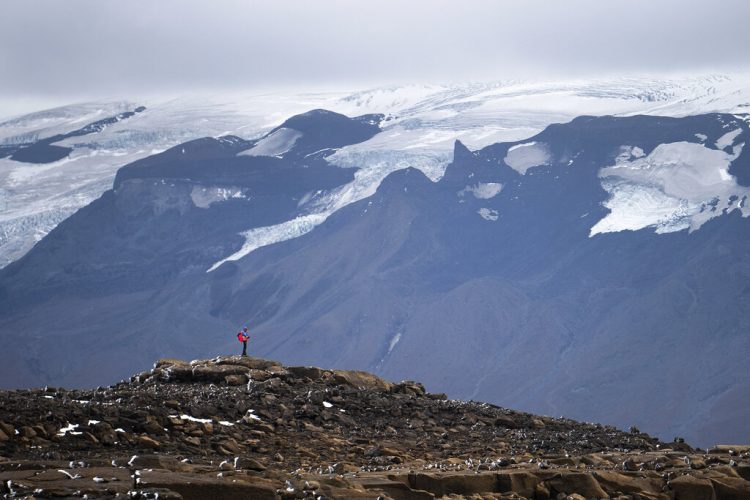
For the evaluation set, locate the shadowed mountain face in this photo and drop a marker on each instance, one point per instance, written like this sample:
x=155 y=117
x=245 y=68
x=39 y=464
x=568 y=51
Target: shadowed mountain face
x=530 y=275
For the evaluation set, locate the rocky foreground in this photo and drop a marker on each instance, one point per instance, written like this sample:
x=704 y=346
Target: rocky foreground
x=244 y=428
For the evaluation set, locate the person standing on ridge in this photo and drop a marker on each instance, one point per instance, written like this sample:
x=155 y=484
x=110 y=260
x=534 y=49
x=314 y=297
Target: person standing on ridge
x=243 y=337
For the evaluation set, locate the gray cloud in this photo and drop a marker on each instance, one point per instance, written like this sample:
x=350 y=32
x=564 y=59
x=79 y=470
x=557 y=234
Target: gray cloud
x=100 y=48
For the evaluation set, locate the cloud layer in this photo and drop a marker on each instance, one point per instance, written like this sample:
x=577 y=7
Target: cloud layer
x=87 y=48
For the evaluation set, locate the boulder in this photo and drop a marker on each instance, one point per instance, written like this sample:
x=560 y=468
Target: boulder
x=394 y=489
x=216 y=373
x=614 y=482
x=151 y=425
x=409 y=387
x=362 y=380
x=247 y=463
x=148 y=442
x=7 y=428
x=743 y=470
x=575 y=482
x=157 y=462
x=731 y=488
x=28 y=432
x=691 y=488
x=249 y=362
x=505 y=421
x=175 y=373
x=165 y=362
x=310 y=372
x=453 y=484
x=235 y=380
x=193 y=487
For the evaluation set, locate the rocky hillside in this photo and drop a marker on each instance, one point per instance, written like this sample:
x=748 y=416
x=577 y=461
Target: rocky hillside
x=235 y=427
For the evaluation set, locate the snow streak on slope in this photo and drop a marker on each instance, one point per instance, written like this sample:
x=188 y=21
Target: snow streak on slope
x=275 y=144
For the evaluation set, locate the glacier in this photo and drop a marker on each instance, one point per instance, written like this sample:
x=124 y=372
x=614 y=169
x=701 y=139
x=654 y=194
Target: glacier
x=420 y=126
x=678 y=186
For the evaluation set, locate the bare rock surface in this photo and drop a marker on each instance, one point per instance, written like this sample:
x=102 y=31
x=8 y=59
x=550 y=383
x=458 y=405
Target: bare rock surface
x=236 y=428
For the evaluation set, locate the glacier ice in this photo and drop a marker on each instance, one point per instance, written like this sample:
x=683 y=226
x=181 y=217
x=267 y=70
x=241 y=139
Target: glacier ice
x=678 y=186
x=421 y=125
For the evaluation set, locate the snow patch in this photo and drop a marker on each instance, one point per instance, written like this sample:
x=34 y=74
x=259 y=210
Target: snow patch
x=628 y=153
x=69 y=429
x=488 y=214
x=701 y=137
x=393 y=342
x=204 y=197
x=326 y=404
x=193 y=419
x=678 y=186
x=728 y=138
x=483 y=190
x=274 y=144
x=522 y=157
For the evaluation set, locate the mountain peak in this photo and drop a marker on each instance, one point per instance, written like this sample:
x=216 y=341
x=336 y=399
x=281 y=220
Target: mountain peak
x=460 y=151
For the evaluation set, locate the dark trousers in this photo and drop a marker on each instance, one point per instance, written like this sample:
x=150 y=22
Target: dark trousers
x=244 y=348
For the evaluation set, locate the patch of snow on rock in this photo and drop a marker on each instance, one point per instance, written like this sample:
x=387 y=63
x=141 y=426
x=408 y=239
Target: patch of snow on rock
x=488 y=214
x=628 y=153
x=678 y=186
x=483 y=190
x=728 y=138
x=274 y=144
x=193 y=419
x=69 y=429
x=522 y=157
x=204 y=197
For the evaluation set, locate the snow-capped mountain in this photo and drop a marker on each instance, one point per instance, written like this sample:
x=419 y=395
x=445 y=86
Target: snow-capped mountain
x=596 y=269
x=421 y=123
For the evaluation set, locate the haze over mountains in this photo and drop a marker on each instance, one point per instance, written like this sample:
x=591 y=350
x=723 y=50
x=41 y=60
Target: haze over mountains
x=595 y=268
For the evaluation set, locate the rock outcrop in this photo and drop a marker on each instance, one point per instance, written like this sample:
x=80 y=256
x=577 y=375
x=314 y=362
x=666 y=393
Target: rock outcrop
x=235 y=427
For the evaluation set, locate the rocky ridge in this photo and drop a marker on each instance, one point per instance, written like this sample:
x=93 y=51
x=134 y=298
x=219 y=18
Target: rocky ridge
x=234 y=427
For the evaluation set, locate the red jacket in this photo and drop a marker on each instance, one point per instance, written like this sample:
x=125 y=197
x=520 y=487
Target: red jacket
x=242 y=337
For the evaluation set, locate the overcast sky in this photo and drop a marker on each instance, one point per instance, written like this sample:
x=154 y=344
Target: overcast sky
x=77 y=49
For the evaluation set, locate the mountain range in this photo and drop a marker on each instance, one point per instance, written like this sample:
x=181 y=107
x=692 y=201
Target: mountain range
x=94 y=139
x=597 y=269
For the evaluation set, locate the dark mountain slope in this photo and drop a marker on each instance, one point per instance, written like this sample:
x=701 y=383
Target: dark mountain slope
x=485 y=284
